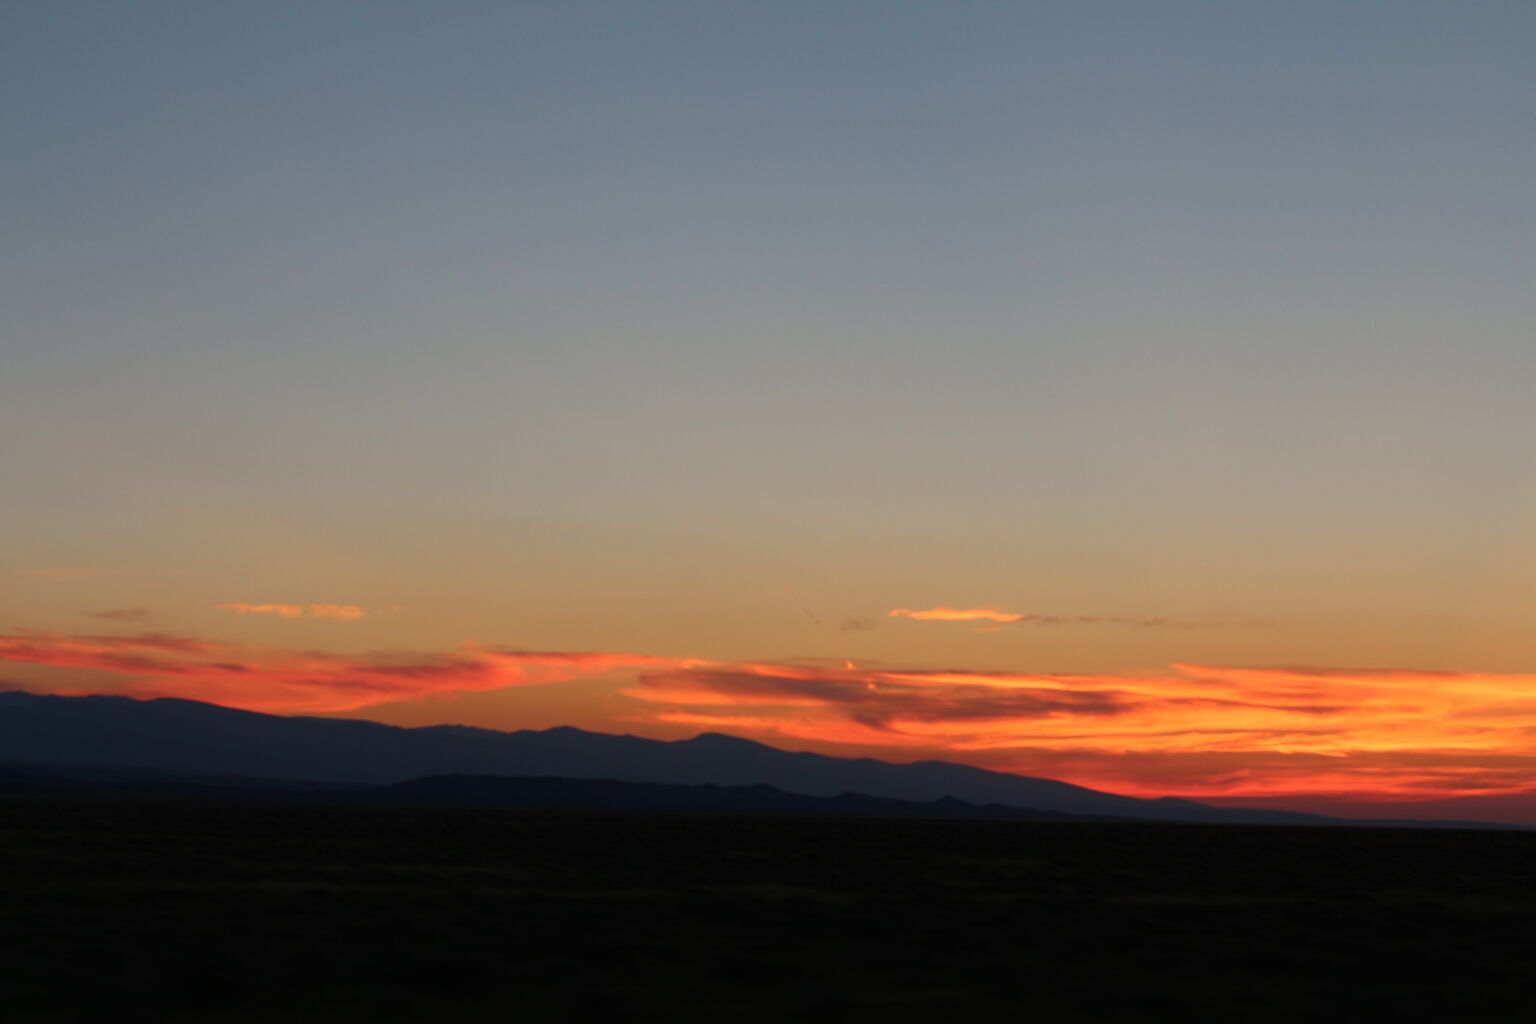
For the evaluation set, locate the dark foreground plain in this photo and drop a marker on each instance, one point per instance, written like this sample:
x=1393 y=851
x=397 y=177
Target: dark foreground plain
x=209 y=911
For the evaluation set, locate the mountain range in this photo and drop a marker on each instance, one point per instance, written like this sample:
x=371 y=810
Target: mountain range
x=124 y=738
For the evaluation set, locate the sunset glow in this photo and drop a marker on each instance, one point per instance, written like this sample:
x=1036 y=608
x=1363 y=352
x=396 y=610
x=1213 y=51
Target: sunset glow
x=1132 y=395
x=1194 y=730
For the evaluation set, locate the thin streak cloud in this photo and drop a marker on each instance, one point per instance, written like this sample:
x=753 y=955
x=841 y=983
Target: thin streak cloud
x=119 y=614
x=999 y=619
x=296 y=611
x=953 y=615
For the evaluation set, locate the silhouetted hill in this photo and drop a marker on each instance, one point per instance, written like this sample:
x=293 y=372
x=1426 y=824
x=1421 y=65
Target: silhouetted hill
x=183 y=736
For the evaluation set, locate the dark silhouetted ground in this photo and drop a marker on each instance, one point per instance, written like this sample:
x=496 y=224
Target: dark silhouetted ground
x=187 y=911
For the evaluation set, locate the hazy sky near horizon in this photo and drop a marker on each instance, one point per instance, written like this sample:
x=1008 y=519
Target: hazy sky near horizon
x=720 y=333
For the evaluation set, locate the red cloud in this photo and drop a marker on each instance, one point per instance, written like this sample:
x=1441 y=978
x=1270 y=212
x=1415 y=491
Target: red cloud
x=158 y=665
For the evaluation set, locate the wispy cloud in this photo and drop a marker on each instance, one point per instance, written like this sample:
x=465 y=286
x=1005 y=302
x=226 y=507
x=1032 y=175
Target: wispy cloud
x=286 y=611
x=119 y=614
x=953 y=615
x=998 y=619
x=814 y=619
x=296 y=611
x=170 y=642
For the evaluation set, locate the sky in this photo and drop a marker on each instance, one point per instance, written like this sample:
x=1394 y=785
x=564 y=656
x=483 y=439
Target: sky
x=1130 y=393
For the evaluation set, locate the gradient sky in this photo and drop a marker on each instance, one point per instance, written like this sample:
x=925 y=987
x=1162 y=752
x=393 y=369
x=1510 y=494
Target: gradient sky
x=1131 y=393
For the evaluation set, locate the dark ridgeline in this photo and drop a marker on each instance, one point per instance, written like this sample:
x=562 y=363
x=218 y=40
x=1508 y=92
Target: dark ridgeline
x=188 y=736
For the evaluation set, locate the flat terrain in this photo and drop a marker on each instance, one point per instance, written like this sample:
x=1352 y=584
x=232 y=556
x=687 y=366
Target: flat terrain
x=186 y=911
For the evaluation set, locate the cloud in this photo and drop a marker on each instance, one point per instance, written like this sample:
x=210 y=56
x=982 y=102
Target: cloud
x=1191 y=729
x=876 y=699
x=263 y=679
x=295 y=611
x=1002 y=618
x=953 y=615
x=119 y=614
x=153 y=642
x=287 y=611
x=814 y=619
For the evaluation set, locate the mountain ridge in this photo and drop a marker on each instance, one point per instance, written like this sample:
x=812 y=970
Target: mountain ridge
x=180 y=735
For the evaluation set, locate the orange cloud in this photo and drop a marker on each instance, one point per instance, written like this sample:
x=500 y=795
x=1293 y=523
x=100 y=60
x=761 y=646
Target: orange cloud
x=1191 y=730
x=953 y=615
x=260 y=679
x=294 y=611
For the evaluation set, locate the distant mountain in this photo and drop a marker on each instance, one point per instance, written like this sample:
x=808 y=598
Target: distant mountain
x=182 y=736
